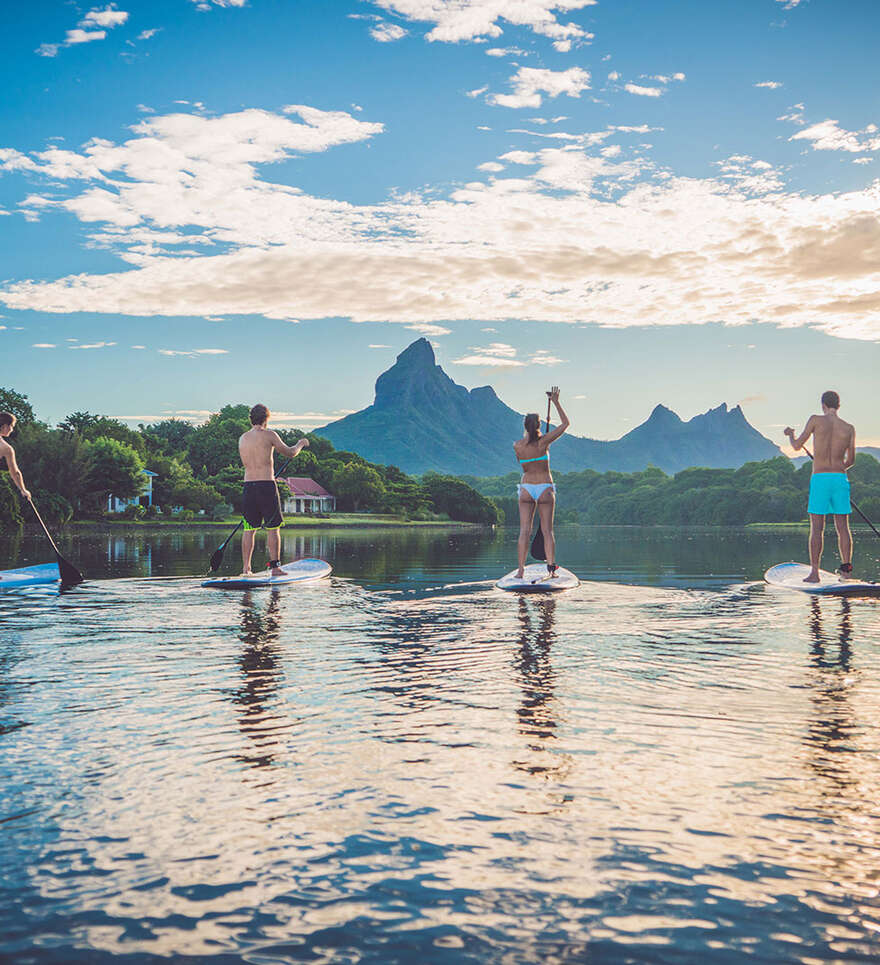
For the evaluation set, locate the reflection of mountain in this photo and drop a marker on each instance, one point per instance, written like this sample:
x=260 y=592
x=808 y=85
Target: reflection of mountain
x=262 y=679
x=421 y=420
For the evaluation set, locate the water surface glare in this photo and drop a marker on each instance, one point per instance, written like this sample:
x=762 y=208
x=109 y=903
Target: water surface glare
x=671 y=763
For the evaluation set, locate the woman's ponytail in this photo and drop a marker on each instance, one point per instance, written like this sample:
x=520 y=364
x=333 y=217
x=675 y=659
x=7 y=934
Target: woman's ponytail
x=532 y=423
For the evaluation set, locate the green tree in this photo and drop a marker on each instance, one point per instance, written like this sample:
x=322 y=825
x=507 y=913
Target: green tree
x=112 y=467
x=10 y=505
x=459 y=501
x=358 y=486
x=17 y=404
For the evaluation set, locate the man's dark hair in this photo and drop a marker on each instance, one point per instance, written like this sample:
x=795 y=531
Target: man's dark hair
x=259 y=414
x=7 y=419
x=831 y=400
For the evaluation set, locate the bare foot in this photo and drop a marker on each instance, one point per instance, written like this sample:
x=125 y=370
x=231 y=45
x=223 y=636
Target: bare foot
x=247 y=572
x=519 y=573
x=813 y=577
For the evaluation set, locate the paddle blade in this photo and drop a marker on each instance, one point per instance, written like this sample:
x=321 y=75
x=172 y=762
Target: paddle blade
x=217 y=559
x=538 y=552
x=70 y=575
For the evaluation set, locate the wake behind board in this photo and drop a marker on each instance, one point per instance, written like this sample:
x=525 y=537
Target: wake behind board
x=29 y=576
x=790 y=576
x=536 y=579
x=299 y=571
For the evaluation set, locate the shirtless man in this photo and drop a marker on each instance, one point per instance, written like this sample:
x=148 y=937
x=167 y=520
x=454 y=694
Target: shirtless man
x=261 y=505
x=7 y=427
x=834 y=452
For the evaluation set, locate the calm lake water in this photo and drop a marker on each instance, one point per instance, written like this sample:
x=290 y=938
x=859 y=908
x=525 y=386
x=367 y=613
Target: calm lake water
x=672 y=763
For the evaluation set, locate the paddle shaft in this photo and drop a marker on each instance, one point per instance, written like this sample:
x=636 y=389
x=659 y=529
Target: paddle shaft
x=68 y=572
x=217 y=555
x=856 y=508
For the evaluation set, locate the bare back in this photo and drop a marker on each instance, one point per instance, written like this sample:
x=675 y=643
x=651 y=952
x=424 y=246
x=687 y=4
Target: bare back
x=538 y=471
x=834 y=443
x=257 y=449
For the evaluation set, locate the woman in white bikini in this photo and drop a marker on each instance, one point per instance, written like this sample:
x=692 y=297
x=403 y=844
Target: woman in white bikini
x=536 y=489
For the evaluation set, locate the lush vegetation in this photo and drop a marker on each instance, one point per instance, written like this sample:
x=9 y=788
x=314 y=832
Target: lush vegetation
x=774 y=490
x=72 y=468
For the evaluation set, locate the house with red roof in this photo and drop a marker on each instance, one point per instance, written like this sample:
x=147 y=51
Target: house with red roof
x=304 y=495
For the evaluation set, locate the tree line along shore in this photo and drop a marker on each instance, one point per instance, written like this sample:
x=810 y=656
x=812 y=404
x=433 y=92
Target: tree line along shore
x=72 y=469
x=769 y=491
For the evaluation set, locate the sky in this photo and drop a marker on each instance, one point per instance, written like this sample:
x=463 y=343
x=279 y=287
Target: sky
x=214 y=201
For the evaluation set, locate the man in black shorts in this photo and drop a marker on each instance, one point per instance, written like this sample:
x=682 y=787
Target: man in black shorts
x=261 y=504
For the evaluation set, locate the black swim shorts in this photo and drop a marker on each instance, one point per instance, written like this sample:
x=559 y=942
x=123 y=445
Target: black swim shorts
x=261 y=505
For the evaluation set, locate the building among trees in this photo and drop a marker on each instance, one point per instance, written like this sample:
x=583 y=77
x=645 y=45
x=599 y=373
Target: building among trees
x=307 y=496
x=117 y=505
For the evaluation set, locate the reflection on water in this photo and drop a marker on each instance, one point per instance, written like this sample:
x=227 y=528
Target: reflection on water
x=402 y=764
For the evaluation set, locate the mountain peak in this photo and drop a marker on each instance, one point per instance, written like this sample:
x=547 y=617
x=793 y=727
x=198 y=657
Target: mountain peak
x=417 y=354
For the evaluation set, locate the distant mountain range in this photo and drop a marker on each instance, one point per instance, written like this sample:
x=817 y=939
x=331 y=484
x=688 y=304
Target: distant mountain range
x=421 y=420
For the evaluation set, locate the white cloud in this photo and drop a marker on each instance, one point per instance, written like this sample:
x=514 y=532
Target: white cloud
x=78 y=36
x=829 y=136
x=148 y=34
x=387 y=32
x=530 y=82
x=643 y=91
x=476 y=93
x=614 y=75
x=574 y=238
x=496 y=355
x=103 y=18
x=542 y=357
x=378 y=346
x=493 y=166
x=426 y=328
x=44 y=345
x=455 y=21
x=770 y=84
x=108 y=17
x=506 y=52
x=139 y=346
x=92 y=345
x=205 y=5
x=193 y=353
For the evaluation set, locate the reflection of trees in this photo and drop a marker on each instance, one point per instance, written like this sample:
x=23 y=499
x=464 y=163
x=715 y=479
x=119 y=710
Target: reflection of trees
x=831 y=736
x=537 y=680
x=261 y=679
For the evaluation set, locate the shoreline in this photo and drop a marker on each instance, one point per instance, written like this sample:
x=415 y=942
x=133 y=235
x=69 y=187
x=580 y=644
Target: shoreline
x=344 y=521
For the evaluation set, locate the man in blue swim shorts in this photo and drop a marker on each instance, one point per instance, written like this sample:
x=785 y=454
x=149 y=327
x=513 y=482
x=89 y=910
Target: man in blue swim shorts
x=834 y=451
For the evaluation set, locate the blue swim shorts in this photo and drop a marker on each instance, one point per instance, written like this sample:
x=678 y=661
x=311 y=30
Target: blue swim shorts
x=829 y=493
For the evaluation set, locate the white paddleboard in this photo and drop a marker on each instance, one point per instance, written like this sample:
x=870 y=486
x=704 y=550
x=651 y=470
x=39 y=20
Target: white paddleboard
x=29 y=576
x=536 y=579
x=790 y=576
x=299 y=571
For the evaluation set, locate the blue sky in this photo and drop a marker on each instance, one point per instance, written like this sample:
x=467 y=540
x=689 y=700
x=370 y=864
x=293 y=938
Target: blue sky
x=205 y=202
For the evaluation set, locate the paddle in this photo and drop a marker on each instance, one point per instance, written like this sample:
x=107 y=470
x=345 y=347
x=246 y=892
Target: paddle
x=856 y=508
x=538 y=552
x=70 y=575
x=217 y=555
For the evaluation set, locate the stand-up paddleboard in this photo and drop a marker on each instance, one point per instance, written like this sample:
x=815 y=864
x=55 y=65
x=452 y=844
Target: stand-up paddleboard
x=536 y=579
x=29 y=576
x=790 y=576
x=299 y=571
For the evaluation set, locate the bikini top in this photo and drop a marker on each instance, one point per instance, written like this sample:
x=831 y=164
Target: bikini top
x=535 y=459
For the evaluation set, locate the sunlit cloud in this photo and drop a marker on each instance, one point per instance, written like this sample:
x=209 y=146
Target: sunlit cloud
x=387 y=32
x=93 y=345
x=44 y=345
x=643 y=91
x=529 y=83
x=828 y=135
x=455 y=21
x=193 y=353
x=93 y=26
x=769 y=84
x=571 y=236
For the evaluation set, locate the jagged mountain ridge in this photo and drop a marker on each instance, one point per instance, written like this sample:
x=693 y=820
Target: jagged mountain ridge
x=422 y=420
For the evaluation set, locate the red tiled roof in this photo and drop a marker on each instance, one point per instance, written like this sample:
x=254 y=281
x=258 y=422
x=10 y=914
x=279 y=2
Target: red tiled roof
x=303 y=486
